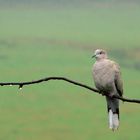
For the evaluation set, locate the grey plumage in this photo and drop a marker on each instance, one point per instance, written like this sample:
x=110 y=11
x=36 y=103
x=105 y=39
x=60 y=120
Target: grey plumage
x=107 y=78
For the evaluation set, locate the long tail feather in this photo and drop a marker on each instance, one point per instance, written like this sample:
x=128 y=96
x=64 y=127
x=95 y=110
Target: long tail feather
x=113 y=113
x=113 y=120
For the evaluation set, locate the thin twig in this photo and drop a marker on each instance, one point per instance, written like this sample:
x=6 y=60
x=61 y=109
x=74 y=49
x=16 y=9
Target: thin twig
x=21 y=84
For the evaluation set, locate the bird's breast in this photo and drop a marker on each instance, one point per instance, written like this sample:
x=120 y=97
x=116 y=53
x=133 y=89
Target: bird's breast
x=103 y=76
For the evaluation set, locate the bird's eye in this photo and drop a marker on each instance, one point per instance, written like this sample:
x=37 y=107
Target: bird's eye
x=100 y=52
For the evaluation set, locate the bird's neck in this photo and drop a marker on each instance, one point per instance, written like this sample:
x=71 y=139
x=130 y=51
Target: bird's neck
x=101 y=59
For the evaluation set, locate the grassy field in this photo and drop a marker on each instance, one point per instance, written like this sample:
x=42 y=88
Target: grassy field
x=59 y=41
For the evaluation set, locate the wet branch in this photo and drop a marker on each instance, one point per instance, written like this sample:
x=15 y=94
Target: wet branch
x=21 y=84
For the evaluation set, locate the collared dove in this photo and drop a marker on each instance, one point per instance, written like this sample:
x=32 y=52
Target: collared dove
x=107 y=79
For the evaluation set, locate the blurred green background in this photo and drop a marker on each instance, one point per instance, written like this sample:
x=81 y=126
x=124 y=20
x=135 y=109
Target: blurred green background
x=41 y=38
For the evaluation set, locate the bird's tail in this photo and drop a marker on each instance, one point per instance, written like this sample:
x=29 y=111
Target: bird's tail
x=113 y=113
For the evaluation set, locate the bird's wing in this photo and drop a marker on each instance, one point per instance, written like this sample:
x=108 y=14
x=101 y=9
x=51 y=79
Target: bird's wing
x=118 y=80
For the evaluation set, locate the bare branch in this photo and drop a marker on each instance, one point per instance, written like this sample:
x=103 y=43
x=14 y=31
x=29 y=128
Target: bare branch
x=21 y=84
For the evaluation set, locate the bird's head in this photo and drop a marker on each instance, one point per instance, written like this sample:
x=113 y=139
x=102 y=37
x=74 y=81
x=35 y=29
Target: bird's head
x=100 y=54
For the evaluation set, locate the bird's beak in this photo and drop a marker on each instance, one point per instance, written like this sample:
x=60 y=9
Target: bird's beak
x=93 y=56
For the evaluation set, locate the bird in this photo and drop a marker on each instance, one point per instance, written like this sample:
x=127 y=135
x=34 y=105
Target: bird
x=107 y=79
